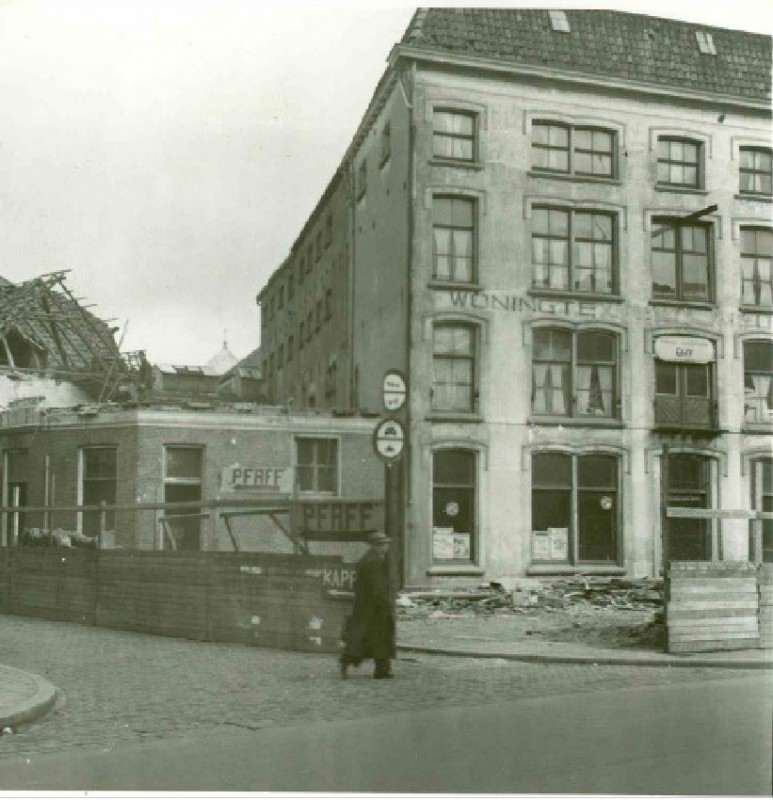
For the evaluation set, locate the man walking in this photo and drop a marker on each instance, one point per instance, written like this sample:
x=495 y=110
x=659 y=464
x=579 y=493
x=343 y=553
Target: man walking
x=370 y=632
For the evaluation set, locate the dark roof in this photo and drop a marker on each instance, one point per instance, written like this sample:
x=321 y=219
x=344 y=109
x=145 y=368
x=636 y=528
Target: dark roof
x=632 y=47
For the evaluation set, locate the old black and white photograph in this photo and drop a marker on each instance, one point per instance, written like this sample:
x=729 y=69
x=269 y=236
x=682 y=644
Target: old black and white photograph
x=386 y=398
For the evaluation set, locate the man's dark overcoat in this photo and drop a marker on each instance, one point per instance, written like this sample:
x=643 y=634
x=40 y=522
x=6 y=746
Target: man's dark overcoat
x=370 y=632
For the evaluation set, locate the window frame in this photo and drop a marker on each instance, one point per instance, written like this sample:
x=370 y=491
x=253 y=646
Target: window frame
x=766 y=421
x=455 y=137
x=686 y=416
x=472 y=491
x=82 y=522
x=572 y=149
x=574 y=363
x=472 y=358
x=571 y=240
x=667 y=224
x=756 y=257
x=316 y=465
x=575 y=491
x=761 y=500
x=699 y=164
x=473 y=204
x=386 y=144
x=756 y=151
x=184 y=481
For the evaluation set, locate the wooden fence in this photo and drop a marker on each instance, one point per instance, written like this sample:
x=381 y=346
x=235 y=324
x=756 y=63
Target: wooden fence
x=270 y=600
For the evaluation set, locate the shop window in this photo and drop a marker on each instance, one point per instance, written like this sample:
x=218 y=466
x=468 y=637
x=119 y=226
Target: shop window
x=689 y=486
x=454 y=369
x=453 y=239
x=99 y=483
x=681 y=261
x=454 y=527
x=573 y=251
x=453 y=135
x=762 y=500
x=575 y=508
x=573 y=150
x=757 y=267
x=317 y=465
x=182 y=484
x=386 y=143
x=758 y=381
x=680 y=162
x=574 y=374
x=684 y=395
x=756 y=170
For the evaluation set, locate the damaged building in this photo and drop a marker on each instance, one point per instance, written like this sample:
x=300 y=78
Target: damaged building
x=557 y=226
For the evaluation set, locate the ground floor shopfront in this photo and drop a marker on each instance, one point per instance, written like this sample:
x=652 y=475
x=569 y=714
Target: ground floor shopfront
x=489 y=501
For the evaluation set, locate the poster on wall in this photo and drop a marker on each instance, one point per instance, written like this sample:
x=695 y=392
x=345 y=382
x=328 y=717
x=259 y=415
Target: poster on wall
x=442 y=543
x=559 y=544
x=462 y=546
x=540 y=544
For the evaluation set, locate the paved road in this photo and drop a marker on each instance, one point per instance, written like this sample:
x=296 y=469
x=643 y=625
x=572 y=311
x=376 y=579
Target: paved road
x=124 y=689
x=711 y=737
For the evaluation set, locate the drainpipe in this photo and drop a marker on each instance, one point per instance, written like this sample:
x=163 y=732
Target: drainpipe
x=46 y=498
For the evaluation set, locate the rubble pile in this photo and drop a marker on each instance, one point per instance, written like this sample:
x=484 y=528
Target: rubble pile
x=527 y=596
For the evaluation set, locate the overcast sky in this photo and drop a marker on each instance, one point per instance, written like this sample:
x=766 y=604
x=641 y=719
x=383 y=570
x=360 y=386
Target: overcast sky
x=167 y=152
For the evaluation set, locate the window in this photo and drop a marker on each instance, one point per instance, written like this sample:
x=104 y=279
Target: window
x=679 y=162
x=309 y=325
x=15 y=476
x=290 y=286
x=758 y=382
x=453 y=227
x=331 y=379
x=271 y=307
x=757 y=267
x=301 y=335
x=281 y=298
x=573 y=251
x=454 y=386
x=574 y=374
x=573 y=150
x=689 y=485
x=280 y=357
x=270 y=365
x=317 y=469
x=362 y=179
x=290 y=347
x=318 y=315
x=182 y=484
x=328 y=231
x=705 y=43
x=575 y=507
x=762 y=500
x=756 y=173
x=309 y=257
x=453 y=135
x=683 y=395
x=559 y=22
x=681 y=261
x=328 y=303
x=318 y=251
x=386 y=143
x=301 y=269
x=99 y=482
x=454 y=535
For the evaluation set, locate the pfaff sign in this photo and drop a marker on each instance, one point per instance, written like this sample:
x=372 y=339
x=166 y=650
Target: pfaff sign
x=336 y=520
x=684 y=349
x=267 y=480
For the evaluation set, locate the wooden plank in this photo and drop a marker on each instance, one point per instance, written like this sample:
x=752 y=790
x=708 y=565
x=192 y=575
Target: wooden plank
x=714 y=586
x=715 y=645
x=701 y=605
x=675 y=512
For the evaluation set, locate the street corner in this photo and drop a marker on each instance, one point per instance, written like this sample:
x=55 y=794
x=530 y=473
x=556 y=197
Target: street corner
x=24 y=698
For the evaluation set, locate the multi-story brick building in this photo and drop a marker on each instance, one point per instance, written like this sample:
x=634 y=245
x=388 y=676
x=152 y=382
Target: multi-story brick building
x=558 y=226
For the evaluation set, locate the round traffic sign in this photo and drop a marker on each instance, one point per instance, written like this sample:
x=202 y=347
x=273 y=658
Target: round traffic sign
x=395 y=390
x=389 y=439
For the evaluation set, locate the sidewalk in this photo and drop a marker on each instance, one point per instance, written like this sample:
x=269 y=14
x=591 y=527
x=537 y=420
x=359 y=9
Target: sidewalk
x=23 y=697
x=417 y=638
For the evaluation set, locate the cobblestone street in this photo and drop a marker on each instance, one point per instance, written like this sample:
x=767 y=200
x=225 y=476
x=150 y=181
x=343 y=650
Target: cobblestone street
x=120 y=686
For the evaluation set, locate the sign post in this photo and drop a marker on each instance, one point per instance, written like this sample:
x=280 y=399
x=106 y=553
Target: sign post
x=389 y=441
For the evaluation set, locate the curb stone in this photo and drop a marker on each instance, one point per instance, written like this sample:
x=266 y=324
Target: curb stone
x=39 y=701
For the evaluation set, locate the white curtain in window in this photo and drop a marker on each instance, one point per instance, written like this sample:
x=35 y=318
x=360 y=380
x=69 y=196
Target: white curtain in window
x=756 y=400
x=540 y=380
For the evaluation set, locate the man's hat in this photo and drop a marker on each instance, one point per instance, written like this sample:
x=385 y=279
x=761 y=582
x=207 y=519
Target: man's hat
x=378 y=537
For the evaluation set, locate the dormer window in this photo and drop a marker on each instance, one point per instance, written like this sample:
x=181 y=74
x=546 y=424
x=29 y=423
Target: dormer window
x=559 y=22
x=705 y=43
